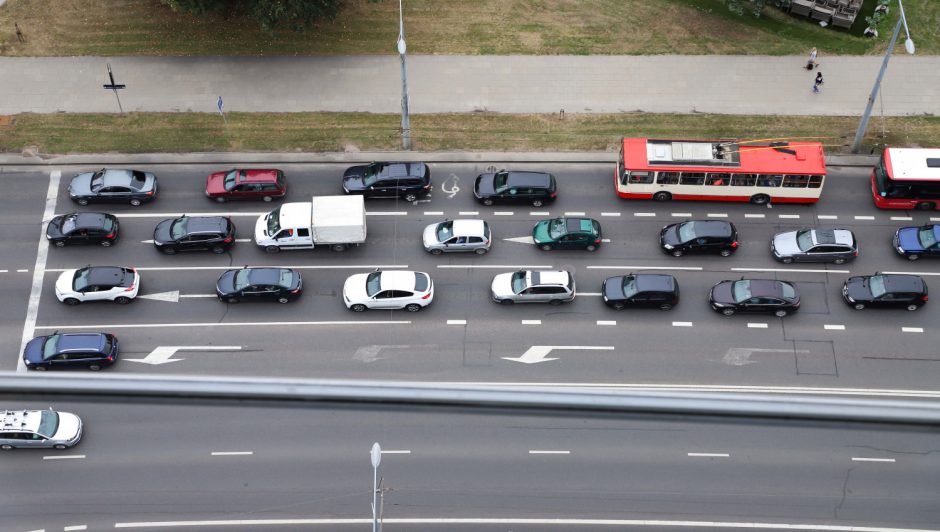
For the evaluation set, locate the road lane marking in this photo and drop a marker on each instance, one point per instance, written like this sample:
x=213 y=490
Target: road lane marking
x=4 y=271
x=22 y=271
x=717 y=215
x=610 y=214
x=232 y=453
x=756 y=325
x=434 y=213
x=502 y=266
x=685 y=268
x=682 y=324
x=396 y=451
x=468 y=213
x=217 y=324
x=790 y=390
x=197 y=295
x=754 y=216
x=539 y=213
x=605 y=240
x=934 y=219
x=386 y=213
x=64 y=457
x=217 y=268
x=456 y=322
x=829 y=327
x=536 y=451
x=531 y=322
x=589 y=294
x=178 y=214
x=912 y=329
x=861 y=459
x=503 y=213
x=42 y=253
x=710 y=455
x=574 y=213
x=75 y=527
x=790 y=270
x=788 y=216
x=914 y=273
x=644 y=214
x=902 y=218
x=864 y=217
x=606 y=322
x=682 y=214
x=827 y=217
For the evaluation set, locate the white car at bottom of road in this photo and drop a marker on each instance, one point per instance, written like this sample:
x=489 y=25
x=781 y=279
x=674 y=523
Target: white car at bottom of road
x=529 y=286
x=391 y=289
x=97 y=283
x=40 y=429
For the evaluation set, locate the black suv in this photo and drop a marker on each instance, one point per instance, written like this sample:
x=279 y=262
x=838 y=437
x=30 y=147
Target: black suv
x=409 y=181
x=699 y=236
x=885 y=290
x=193 y=233
x=535 y=188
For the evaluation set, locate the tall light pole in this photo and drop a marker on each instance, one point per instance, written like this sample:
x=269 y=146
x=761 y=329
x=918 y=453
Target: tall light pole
x=909 y=46
x=376 y=456
x=405 y=122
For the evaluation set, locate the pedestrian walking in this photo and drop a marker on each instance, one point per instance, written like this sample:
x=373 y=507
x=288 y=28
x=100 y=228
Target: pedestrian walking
x=811 y=64
x=818 y=83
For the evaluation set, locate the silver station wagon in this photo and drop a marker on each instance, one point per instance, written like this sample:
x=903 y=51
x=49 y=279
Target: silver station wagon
x=457 y=236
x=39 y=428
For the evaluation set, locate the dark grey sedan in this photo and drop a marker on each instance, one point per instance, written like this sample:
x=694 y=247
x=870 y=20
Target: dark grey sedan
x=113 y=186
x=837 y=246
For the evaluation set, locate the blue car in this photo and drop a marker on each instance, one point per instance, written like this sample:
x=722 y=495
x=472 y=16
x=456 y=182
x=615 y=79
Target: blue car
x=86 y=350
x=917 y=242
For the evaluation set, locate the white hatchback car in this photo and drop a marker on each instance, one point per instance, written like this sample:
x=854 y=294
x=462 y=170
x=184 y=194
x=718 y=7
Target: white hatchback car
x=40 y=429
x=391 y=289
x=98 y=283
x=456 y=236
x=527 y=286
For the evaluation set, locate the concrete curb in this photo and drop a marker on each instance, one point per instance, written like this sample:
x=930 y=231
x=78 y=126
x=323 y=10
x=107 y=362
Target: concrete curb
x=268 y=158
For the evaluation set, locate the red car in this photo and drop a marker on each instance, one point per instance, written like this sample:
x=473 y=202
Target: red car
x=246 y=184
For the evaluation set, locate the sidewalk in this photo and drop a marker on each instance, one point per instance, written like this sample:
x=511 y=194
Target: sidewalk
x=440 y=84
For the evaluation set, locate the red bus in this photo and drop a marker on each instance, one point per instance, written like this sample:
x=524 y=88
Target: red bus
x=907 y=178
x=758 y=172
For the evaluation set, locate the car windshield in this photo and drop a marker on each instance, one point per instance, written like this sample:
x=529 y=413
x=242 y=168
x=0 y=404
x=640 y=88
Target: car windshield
x=69 y=224
x=241 y=278
x=686 y=231
x=285 y=278
x=557 y=228
x=370 y=175
x=926 y=236
x=51 y=347
x=445 y=230
x=741 y=291
x=804 y=239
x=179 y=228
x=80 y=281
x=499 y=180
x=230 y=179
x=96 y=180
x=274 y=221
x=788 y=291
x=518 y=282
x=629 y=286
x=373 y=283
x=876 y=283
x=48 y=423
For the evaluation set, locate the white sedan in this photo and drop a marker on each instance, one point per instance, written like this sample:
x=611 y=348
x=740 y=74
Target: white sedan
x=97 y=283
x=391 y=289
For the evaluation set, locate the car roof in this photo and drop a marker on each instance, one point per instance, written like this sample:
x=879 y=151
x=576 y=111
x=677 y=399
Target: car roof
x=80 y=342
x=106 y=275
x=765 y=288
x=468 y=227
x=257 y=175
x=402 y=169
x=578 y=225
x=529 y=179
x=89 y=219
x=265 y=275
x=650 y=282
x=554 y=277
x=833 y=236
x=903 y=283
x=206 y=224
x=20 y=420
x=397 y=280
x=117 y=177
x=712 y=227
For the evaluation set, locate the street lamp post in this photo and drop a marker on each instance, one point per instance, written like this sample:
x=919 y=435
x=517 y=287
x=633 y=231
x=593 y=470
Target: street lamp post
x=405 y=122
x=909 y=46
x=376 y=456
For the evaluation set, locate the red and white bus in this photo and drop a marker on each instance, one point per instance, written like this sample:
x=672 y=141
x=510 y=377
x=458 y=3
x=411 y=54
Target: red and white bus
x=759 y=172
x=907 y=178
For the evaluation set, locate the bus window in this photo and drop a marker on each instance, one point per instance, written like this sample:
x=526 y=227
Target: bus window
x=815 y=181
x=718 y=180
x=692 y=178
x=641 y=178
x=769 y=180
x=743 y=180
x=668 y=178
x=796 y=181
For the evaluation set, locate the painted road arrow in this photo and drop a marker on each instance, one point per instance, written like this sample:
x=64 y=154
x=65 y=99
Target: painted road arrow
x=536 y=353
x=370 y=353
x=163 y=354
x=451 y=192
x=172 y=297
x=521 y=239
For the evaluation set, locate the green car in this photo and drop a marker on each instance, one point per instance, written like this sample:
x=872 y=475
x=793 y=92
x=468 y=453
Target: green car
x=567 y=233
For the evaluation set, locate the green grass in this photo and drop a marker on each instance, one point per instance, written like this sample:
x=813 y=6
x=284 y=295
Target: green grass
x=323 y=132
x=147 y=27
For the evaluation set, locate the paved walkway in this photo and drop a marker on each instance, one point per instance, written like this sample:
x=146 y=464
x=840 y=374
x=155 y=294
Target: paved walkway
x=438 y=84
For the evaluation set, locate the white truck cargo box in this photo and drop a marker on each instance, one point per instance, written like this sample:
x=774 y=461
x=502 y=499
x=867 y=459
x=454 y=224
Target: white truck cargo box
x=338 y=219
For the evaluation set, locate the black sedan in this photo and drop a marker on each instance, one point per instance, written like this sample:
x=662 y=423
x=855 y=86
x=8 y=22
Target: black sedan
x=755 y=295
x=71 y=350
x=641 y=291
x=113 y=186
x=83 y=228
x=194 y=233
x=259 y=284
x=885 y=291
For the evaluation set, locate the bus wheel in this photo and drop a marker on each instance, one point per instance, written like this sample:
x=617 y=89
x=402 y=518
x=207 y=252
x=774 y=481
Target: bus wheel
x=925 y=206
x=662 y=196
x=760 y=199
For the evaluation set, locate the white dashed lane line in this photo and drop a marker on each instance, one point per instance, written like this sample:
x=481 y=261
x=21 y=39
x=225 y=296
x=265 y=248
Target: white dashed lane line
x=902 y=218
x=589 y=294
x=754 y=216
x=641 y=214
x=531 y=322
x=575 y=213
x=64 y=457
x=827 y=217
x=912 y=329
x=610 y=214
x=503 y=213
x=75 y=527
x=456 y=322
x=536 y=451
x=862 y=459
x=834 y=327
x=606 y=322
x=539 y=213
x=756 y=325
x=232 y=453
x=468 y=213
x=788 y=216
x=683 y=214
x=864 y=217
x=682 y=324
x=717 y=215
x=434 y=213
x=709 y=455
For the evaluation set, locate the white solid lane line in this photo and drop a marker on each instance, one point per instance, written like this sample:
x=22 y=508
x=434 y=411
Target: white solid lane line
x=858 y=459
x=232 y=453
x=64 y=457
x=709 y=455
x=861 y=392
x=293 y=267
x=914 y=273
x=536 y=451
x=216 y=324
x=389 y=213
x=792 y=270
x=42 y=253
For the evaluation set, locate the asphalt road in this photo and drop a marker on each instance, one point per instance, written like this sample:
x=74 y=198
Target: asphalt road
x=463 y=336
x=189 y=463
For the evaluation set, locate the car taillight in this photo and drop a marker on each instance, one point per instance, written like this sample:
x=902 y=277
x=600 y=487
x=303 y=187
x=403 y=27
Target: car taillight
x=924 y=298
x=150 y=193
x=129 y=288
x=427 y=296
x=734 y=245
x=110 y=235
x=598 y=241
x=228 y=240
x=553 y=195
x=295 y=291
x=855 y=254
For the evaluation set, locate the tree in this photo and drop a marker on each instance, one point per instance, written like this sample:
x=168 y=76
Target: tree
x=271 y=14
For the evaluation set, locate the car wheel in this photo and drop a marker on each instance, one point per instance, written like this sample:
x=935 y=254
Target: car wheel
x=925 y=206
x=727 y=311
x=6 y=447
x=546 y=247
x=232 y=300
x=480 y=251
x=283 y=300
x=859 y=306
x=591 y=247
x=338 y=247
x=555 y=302
x=358 y=307
x=725 y=253
x=94 y=367
x=488 y=202
x=106 y=243
x=839 y=261
x=677 y=253
x=760 y=199
x=218 y=250
x=436 y=251
x=268 y=199
x=780 y=313
x=413 y=307
x=665 y=306
x=618 y=306
x=787 y=260
x=168 y=251
x=662 y=196
x=60 y=243
x=40 y=368
x=506 y=302
x=272 y=249
x=122 y=300
x=913 y=257
x=220 y=199
x=82 y=201
x=71 y=301
x=912 y=307
x=59 y=447
x=537 y=203
x=410 y=197
x=135 y=202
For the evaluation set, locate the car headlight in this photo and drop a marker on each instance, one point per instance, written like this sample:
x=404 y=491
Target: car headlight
x=668 y=246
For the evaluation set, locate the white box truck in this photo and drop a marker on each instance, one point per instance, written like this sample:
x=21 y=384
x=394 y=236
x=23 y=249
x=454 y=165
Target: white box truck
x=335 y=221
